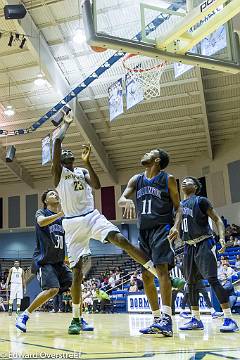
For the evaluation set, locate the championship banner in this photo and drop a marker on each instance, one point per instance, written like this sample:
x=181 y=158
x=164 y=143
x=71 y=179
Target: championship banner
x=46 y=150
x=115 y=93
x=134 y=91
x=139 y=303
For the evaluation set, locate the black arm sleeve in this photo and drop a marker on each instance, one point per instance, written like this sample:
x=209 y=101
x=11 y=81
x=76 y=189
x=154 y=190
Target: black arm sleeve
x=204 y=204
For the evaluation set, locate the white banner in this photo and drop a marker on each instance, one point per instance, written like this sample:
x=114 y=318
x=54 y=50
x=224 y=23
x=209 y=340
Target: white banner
x=139 y=303
x=134 y=91
x=46 y=150
x=180 y=69
x=115 y=93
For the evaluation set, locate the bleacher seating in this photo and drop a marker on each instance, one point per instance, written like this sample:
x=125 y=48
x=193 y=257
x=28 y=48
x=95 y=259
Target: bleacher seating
x=109 y=262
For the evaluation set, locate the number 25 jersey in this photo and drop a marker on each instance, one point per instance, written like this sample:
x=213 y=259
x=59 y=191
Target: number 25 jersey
x=75 y=193
x=154 y=204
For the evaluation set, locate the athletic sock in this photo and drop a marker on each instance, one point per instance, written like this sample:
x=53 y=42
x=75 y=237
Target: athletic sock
x=26 y=312
x=196 y=314
x=156 y=315
x=150 y=267
x=76 y=311
x=227 y=313
x=167 y=310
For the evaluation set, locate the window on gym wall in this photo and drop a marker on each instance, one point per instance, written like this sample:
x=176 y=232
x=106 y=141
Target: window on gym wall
x=31 y=208
x=14 y=211
x=108 y=202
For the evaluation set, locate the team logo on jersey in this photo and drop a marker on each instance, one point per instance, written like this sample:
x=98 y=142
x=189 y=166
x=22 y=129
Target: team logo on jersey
x=149 y=190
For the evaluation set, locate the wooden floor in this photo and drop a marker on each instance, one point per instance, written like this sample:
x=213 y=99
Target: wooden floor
x=116 y=336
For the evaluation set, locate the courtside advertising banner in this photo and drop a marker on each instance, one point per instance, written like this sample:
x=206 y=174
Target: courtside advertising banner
x=139 y=303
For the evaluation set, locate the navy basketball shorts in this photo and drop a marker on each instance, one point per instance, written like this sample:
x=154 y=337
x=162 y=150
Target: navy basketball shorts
x=200 y=261
x=55 y=276
x=154 y=242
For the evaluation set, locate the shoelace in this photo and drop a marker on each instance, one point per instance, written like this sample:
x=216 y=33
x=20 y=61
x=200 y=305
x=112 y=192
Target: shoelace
x=164 y=322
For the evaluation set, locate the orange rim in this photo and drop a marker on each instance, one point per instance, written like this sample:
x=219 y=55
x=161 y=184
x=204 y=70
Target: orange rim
x=129 y=56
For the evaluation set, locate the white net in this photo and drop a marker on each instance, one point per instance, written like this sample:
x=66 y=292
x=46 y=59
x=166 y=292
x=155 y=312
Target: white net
x=146 y=73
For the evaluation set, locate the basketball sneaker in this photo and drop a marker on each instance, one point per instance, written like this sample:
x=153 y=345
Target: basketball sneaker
x=185 y=315
x=193 y=324
x=164 y=327
x=217 y=314
x=150 y=329
x=75 y=327
x=85 y=326
x=229 y=326
x=21 y=322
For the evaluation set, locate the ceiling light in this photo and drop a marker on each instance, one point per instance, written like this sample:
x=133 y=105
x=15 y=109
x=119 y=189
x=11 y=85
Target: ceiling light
x=79 y=37
x=40 y=81
x=9 y=111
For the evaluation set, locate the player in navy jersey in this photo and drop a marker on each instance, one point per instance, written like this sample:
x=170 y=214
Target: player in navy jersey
x=199 y=258
x=157 y=198
x=48 y=257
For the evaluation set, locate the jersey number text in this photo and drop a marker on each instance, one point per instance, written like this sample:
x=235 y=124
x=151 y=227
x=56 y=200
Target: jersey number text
x=147 y=207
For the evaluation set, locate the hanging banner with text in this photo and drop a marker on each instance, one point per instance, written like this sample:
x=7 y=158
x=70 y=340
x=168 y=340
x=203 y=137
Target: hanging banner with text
x=46 y=150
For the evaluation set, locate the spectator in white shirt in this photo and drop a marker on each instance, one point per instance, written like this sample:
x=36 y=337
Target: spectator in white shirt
x=237 y=263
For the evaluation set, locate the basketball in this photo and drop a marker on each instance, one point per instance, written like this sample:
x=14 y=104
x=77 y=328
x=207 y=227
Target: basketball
x=98 y=49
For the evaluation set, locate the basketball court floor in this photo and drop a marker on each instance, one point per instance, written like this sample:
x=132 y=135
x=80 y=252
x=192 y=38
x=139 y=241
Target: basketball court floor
x=116 y=336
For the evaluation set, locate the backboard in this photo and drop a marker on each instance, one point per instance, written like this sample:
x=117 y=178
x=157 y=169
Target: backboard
x=174 y=30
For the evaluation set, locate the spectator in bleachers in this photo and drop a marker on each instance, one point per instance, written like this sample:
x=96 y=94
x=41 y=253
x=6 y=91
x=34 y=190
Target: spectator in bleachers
x=133 y=286
x=103 y=298
x=235 y=230
x=112 y=280
x=237 y=263
x=138 y=279
x=236 y=242
x=225 y=273
x=118 y=276
x=2 y=285
x=88 y=300
x=67 y=301
x=224 y=260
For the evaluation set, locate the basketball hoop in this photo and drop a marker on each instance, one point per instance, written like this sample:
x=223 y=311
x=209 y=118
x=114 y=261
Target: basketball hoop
x=146 y=72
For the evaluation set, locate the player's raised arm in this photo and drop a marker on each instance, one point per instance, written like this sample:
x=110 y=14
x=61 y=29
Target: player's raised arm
x=125 y=202
x=57 y=150
x=90 y=175
x=174 y=194
x=47 y=220
x=220 y=228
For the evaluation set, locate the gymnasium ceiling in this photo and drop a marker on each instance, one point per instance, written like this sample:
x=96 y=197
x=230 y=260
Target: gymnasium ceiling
x=196 y=112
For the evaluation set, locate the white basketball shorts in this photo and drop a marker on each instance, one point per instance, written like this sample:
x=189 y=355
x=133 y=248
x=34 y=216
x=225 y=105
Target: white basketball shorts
x=79 y=230
x=16 y=291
